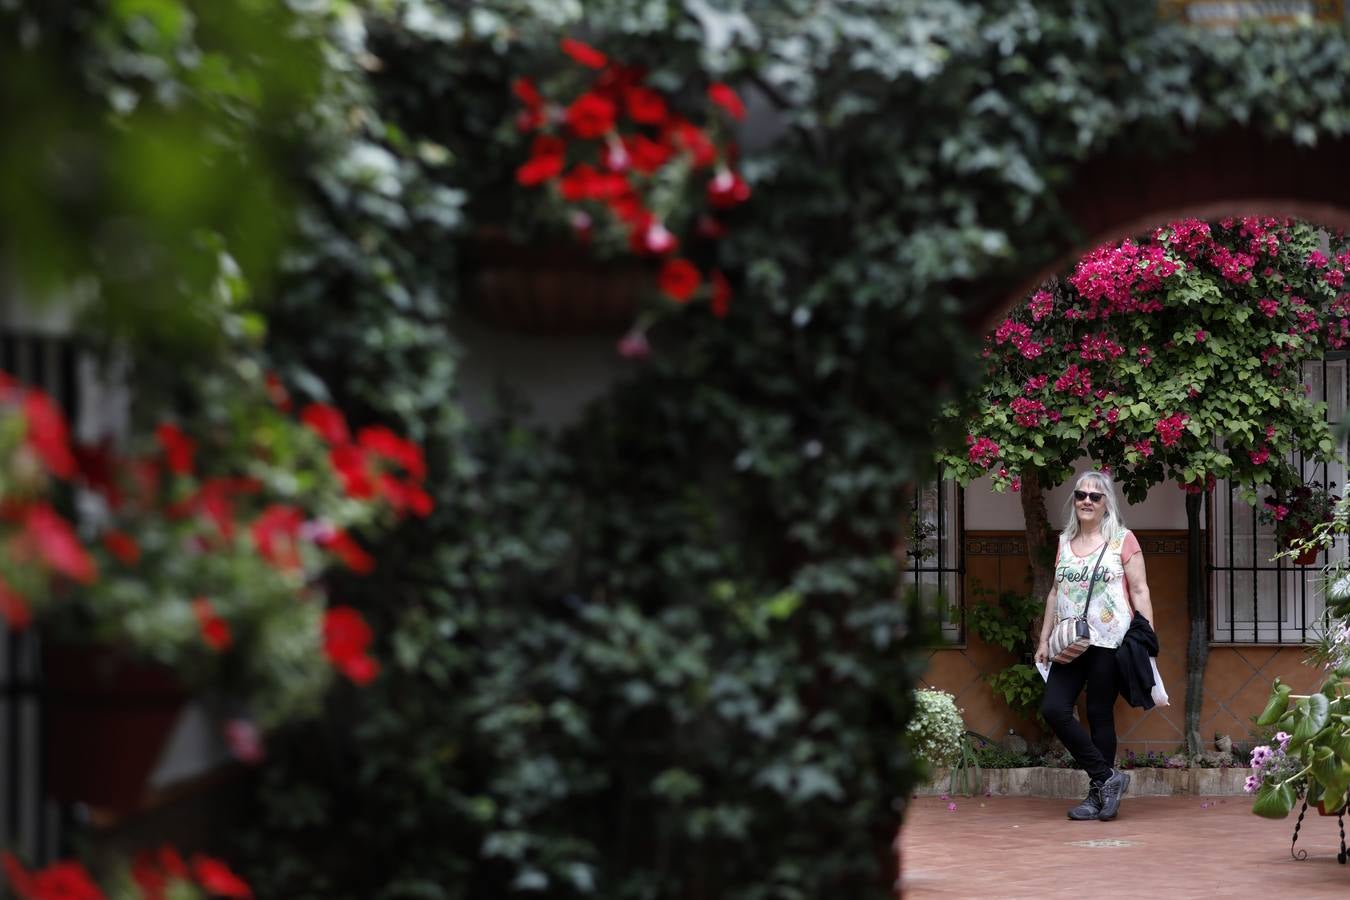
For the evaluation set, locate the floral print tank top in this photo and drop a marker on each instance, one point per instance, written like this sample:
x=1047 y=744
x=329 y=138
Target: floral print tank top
x=1109 y=617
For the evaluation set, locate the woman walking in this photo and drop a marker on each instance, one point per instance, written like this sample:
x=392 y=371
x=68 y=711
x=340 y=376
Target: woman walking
x=1100 y=557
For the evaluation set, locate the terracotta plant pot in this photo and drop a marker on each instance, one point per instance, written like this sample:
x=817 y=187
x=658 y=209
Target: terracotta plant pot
x=107 y=721
x=555 y=288
x=1321 y=808
x=1308 y=557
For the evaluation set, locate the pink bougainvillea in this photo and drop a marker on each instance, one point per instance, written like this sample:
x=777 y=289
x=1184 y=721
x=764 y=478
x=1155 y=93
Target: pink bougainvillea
x=1169 y=428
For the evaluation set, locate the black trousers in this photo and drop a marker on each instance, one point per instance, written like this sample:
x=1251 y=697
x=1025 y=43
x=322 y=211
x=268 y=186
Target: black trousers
x=1096 y=669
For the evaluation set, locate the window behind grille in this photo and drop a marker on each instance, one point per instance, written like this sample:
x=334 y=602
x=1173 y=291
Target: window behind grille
x=934 y=555
x=29 y=823
x=1257 y=600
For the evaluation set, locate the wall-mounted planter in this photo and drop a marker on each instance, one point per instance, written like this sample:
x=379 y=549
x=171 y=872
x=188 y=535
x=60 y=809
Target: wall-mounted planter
x=107 y=721
x=554 y=288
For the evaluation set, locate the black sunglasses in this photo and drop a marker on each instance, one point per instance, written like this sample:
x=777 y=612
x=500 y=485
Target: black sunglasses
x=1088 y=495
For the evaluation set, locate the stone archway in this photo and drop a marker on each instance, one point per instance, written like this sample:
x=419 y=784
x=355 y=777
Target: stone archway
x=1115 y=196
x=1120 y=195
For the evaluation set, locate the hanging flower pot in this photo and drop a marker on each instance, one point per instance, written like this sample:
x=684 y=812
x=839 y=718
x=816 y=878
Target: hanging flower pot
x=1308 y=557
x=555 y=288
x=107 y=720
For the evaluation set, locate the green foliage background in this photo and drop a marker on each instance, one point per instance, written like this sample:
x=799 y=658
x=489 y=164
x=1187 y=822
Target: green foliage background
x=659 y=654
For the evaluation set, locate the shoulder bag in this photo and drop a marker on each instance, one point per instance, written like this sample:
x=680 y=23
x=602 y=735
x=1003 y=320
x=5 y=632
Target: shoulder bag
x=1070 y=636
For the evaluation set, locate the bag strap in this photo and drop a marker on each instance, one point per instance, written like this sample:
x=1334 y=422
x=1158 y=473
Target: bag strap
x=1092 y=581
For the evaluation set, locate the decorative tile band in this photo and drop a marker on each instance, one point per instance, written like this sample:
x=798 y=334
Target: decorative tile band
x=1013 y=544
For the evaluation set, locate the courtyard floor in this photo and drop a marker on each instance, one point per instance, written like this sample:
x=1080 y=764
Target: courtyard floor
x=1004 y=848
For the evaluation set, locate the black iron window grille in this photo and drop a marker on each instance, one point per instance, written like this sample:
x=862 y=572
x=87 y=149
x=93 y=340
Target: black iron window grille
x=1256 y=599
x=935 y=563
x=29 y=822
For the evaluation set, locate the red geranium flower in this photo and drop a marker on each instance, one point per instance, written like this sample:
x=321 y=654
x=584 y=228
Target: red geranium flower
x=720 y=301
x=122 y=546
x=585 y=54
x=384 y=443
x=56 y=544
x=585 y=183
x=647 y=155
x=727 y=189
x=346 y=636
x=326 y=421
x=60 y=881
x=360 y=670
x=275 y=534
x=540 y=167
x=47 y=434
x=590 y=116
x=215 y=630
x=345 y=548
x=527 y=93
x=692 y=138
x=276 y=392
x=96 y=466
x=14 y=609
x=178 y=448
x=349 y=462
x=725 y=97
x=679 y=279
x=645 y=105
x=218 y=880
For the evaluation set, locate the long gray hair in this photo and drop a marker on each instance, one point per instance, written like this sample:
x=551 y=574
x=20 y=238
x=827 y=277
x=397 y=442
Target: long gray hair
x=1112 y=523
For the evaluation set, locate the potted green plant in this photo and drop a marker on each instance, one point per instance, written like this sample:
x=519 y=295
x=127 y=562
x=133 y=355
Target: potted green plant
x=1295 y=514
x=1311 y=753
x=194 y=567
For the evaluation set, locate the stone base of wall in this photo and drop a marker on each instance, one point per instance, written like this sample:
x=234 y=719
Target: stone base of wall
x=1044 y=782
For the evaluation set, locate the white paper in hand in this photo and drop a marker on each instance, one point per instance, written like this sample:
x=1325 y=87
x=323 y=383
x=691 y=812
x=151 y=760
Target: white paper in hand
x=1159 y=692
x=1044 y=669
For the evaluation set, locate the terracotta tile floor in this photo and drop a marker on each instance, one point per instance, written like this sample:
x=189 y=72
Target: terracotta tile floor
x=1004 y=848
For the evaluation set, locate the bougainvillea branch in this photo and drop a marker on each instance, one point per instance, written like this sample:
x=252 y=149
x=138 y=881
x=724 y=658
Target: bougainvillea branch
x=1174 y=357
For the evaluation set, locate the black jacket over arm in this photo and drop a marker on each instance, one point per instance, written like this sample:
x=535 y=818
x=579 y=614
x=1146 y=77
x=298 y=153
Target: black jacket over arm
x=1136 y=674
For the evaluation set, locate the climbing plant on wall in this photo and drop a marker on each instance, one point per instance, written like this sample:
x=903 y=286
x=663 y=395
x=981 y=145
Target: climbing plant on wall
x=705 y=562
x=668 y=634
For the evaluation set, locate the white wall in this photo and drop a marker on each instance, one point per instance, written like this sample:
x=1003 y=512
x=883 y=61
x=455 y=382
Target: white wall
x=556 y=375
x=985 y=510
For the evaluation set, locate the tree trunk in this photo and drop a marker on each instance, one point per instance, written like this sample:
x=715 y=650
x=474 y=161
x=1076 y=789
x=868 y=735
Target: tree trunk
x=1041 y=538
x=1197 y=604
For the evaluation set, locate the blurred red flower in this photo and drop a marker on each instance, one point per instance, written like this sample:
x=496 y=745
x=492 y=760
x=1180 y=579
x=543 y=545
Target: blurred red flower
x=679 y=279
x=47 y=435
x=585 y=54
x=327 y=422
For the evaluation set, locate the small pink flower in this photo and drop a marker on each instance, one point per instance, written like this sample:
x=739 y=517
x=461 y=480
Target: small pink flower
x=245 y=741
x=634 y=345
x=1259 y=456
x=1201 y=335
x=951 y=807
x=658 y=238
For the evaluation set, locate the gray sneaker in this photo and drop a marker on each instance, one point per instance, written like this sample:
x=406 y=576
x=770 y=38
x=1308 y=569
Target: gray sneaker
x=1091 y=805
x=1112 y=790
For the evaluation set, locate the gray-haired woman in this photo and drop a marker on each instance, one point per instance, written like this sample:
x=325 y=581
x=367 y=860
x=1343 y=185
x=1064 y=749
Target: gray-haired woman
x=1095 y=546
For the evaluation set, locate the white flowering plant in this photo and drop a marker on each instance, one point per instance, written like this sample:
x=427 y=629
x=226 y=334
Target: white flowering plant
x=937 y=729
